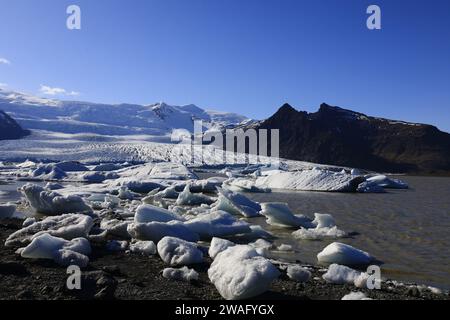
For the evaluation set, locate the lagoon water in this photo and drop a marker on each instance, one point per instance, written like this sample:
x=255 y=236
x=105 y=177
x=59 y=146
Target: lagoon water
x=409 y=230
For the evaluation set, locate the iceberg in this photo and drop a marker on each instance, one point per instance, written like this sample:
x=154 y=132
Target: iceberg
x=279 y=214
x=188 y=198
x=311 y=180
x=386 y=182
x=181 y=274
x=370 y=187
x=339 y=274
x=48 y=172
x=60 y=250
x=155 y=231
x=169 y=193
x=298 y=273
x=217 y=224
x=325 y=228
x=149 y=213
x=236 y=203
x=107 y=167
x=146 y=248
x=52 y=203
x=318 y=233
x=243 y=185
x=175 y=251
x=240 y=272
x=97 y=177
x=67 y=226
x=344 y=254
x=218 y=245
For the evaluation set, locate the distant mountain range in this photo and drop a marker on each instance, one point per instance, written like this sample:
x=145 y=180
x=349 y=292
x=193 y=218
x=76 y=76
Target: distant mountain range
x=331 y=135
x=105 y=119
x=337 y=136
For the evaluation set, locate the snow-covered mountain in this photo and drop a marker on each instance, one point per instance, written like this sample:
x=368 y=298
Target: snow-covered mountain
x=76 y=117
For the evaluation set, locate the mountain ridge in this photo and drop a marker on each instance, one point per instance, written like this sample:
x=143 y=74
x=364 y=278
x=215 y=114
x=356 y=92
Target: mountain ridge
x=338 y=136
x=108 y=119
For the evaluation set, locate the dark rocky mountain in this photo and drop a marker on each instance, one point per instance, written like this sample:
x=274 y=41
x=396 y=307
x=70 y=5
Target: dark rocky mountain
x=342 y=137
x=10 y=129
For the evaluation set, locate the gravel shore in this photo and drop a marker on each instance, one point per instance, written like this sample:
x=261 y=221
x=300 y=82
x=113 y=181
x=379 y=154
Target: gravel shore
x=133 y=277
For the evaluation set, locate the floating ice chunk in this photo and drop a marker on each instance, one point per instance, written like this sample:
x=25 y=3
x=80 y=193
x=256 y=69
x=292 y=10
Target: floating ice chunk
x=318 y=233
x=284 y=247
x=169 y=193
x=149 y=213
x=260 y=232
x=355 y=296
x=240 y=272
x=155 y=231
x=27 y=164
x=298 y=273
x=325 y=228
x=125 y=194
x=218 y=245
x=311 y=180
x=206 y=185
x=175 y=251
x=279 y=214
x=67 y=226
x=217 y=224
x=46 y=246
x=52 y=203
x=188 y=198
x=146 y=248
x=48 y=172
x=103 y=201
x=355 y=172
x=116 y=245
x=323 y=220
x=243 y=185
x=182 y=274
x=236 y=203
x=107 y=167
x=53 y=186
x=386 y=182
x=71 y=166
x=142 y=186
x=97 y=177
x=262 y=247
x=370 y=187
x=7 y=210
x=28 y=222
x=345 y=254
x=339 y=274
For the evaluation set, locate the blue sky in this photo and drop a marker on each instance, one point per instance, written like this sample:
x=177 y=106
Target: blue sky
x=245 y=56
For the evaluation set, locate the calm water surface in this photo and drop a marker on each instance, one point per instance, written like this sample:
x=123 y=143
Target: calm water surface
x=409 y=230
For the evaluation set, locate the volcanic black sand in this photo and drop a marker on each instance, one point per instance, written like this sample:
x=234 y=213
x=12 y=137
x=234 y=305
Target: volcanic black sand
x=131 y=276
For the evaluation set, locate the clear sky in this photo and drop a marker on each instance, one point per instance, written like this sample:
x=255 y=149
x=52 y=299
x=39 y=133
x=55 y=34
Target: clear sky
x=245 y=56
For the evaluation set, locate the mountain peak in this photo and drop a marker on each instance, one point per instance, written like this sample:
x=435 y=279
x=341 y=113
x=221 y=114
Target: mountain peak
x=285 y=108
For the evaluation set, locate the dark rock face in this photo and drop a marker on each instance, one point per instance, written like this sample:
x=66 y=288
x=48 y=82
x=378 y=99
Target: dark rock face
x=342 y=137
x=10 y=129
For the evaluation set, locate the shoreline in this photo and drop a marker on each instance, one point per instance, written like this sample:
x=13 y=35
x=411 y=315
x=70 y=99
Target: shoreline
x=139 y=277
